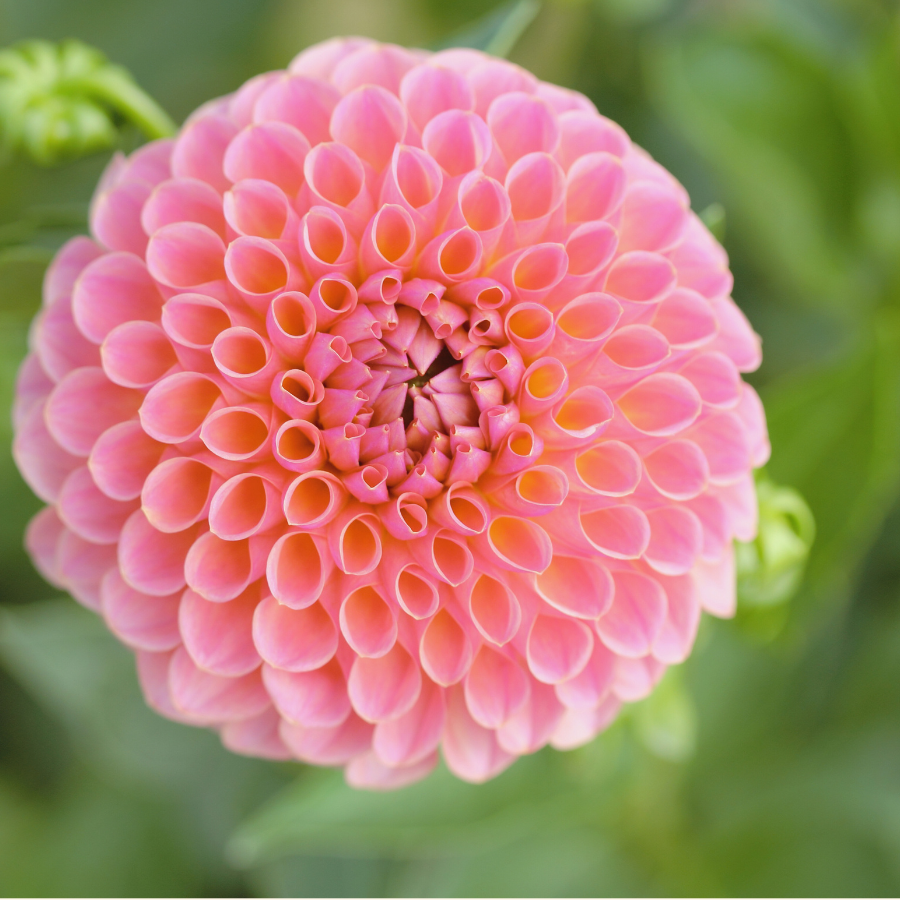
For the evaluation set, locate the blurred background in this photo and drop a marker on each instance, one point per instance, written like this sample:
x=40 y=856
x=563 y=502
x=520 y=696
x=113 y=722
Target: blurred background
x=767 y=764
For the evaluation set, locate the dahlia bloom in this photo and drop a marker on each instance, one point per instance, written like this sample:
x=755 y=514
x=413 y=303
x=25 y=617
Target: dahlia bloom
x=393 y=406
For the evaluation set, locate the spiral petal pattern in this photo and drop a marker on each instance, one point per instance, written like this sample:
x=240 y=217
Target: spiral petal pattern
x=393 y=408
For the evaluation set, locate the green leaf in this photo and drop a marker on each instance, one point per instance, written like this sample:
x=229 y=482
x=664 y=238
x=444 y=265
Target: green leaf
x=756 y=103
x=836 y=439
x=499 y=31
x=441 y=815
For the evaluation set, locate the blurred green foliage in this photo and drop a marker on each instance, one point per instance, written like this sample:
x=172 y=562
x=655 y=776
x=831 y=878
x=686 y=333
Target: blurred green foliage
x=59 y=101
x=766 y=764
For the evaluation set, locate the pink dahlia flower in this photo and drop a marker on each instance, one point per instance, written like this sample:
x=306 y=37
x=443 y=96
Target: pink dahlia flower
x=394 y=405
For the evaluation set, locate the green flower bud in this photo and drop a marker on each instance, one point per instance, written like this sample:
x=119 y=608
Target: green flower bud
x=771 y=567
x=61 y=101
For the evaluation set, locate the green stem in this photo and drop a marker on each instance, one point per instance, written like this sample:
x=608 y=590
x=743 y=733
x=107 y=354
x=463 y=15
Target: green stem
x=114 y=87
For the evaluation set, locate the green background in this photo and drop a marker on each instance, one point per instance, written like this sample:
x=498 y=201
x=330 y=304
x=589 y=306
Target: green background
x=770 y=762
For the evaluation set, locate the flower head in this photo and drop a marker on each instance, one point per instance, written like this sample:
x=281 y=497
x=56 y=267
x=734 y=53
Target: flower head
x=395 y=405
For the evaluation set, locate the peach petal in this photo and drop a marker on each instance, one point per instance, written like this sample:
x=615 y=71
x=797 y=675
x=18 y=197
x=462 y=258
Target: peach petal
x=137 y=355
x=200 y=150
x=213 y=698
x=414 y=591
x=522 y=124
x=82 y=565
x=460 y=509
x=578 y=587
x=389 y=240
x=686 y=319
x=269 y=151
x=533 y=725
x=451 y=257
x=492 y=78
x=258 y=208
x=291 y=324
x=238 y=433
x=312 y=699
x=313 y=499
x=621 y=532
x=153 y=562
x=494 y=609
x=414 y=181
x=385 y=688
x=182 y=200
x=716 y=586
x=653 y=218
x=753 y=417
x=724 y=443
x=328 y=746
x=177 y=494
x=533 y=273
x=43 y=463
x=298 y=568
x=42 y=539
x=326 y=246
x=218 y=635
x=582 y=324
x=414 y=736
x=530 y=328
x=92 y=515
x=675 y=640
x=139 y=620
x=636 y=616
x=298 y=446
x=195 y=320
x=678 y=470
x=582 y=133
x=676 y=538
x=470 y=750
x=333 y=297
x=458 y=141
x=660 y=405
x=736 y=338
x=444 y=554
x=370 y=121
x=576 y=419
x=115 y=216
x=445 y=651
x=296 y=640
x=368 y=623
x=495 y=688
x=306 y=103
x=641 y=277
x=72 y=259
x=373 y=64
x=245 y=505
x=185 y=255
x=113 y=289
x=256 y=736
x=516 y=544
x=153 y=677
x=59 y=344
x=221 y=570
x=636 y=678
x=319 y=61
x=558 y=648
x=354 y=538
x=84 y=405
x=591 y=686
x=716 y=378
x=259 y=271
